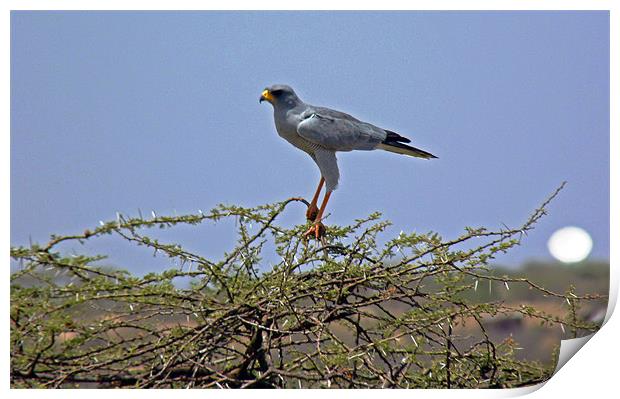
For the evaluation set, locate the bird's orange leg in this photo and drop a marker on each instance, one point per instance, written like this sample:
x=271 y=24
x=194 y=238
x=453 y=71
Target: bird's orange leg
x=313 y=210
x=318 y=229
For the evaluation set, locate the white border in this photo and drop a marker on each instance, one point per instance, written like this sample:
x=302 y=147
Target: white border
x=591 y=373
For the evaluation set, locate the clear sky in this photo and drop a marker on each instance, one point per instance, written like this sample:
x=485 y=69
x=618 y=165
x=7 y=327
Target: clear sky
x=159 y=111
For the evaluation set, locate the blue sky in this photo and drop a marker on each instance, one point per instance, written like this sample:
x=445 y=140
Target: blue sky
x=159 y=111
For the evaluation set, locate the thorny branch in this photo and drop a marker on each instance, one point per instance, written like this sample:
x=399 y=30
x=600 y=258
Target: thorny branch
x=347 y=312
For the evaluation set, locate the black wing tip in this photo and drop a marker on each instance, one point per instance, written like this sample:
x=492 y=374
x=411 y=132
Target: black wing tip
x=396 y=140
x=395 y=137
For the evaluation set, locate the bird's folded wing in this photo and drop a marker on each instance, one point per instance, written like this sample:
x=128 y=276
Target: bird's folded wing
x=337 y=133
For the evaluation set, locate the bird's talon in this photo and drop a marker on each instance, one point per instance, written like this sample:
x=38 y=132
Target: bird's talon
x=317 y=230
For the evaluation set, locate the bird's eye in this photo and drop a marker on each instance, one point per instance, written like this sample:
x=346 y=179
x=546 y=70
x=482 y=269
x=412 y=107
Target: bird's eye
x=276 y=92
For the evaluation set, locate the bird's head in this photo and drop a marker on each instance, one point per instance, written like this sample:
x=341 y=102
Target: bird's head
x=279 y=95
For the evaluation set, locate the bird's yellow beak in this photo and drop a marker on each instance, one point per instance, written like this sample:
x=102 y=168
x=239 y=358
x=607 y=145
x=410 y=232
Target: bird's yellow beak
x=266 y=96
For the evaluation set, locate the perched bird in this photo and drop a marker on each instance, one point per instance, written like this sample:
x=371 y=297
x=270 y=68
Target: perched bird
x=321 y=132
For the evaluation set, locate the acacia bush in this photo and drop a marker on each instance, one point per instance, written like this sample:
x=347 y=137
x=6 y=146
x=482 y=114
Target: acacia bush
x=342 y=312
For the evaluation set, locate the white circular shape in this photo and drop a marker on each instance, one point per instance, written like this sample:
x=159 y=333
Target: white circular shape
x=570 y=244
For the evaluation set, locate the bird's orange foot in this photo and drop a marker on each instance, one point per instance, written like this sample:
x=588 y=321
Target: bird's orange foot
x=317 y=231
x=312 y=212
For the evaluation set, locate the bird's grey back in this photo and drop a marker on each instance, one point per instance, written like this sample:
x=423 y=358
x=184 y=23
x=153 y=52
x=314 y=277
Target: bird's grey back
x=309 y=127
x=338 y=131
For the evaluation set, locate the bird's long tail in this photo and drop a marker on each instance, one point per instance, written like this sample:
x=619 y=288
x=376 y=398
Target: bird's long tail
x=394 y=143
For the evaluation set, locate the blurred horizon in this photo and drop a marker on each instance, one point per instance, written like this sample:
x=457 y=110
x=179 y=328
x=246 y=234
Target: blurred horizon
x=121 y=111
